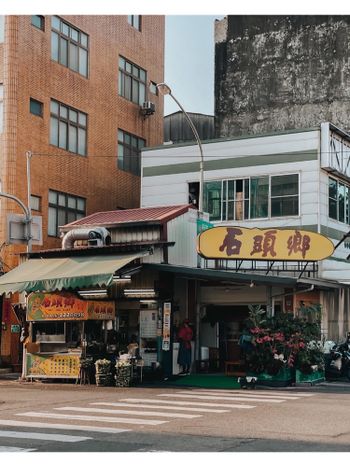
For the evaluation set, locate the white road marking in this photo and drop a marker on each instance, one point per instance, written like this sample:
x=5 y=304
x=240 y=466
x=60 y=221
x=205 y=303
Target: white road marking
x=248 y=396
x=131 y=421
x=201 y=404
x=15 y=449
x=258 y=392
x=59 y=426
x=42 y=436
x=147 y=406
x=127 y=412
x=190 y=395
x=290 y=391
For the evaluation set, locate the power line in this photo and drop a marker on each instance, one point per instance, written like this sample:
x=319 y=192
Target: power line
x=183 y=156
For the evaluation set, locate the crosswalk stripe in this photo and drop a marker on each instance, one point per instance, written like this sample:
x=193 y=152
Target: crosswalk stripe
x=258 y=392
x=189 y=395
x=148 y=406
x=14 y=449
x=131 y=421
x=128 y=412
x=248 y=395
x=60 y=426
x=42 y=436
x=201 y=404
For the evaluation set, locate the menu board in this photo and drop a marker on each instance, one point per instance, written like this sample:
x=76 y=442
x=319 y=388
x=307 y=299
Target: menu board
x=53 y=366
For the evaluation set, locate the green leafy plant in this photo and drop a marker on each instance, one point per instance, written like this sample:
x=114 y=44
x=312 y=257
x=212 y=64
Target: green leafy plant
x=283 y=341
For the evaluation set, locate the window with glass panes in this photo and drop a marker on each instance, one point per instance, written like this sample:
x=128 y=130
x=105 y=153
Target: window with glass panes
x=129 y=152
x=132 y=81
x=135 y=21
x=68 y=128
x=36 y=107
x=69 y=46
x=1 y=107
x=338 y=200
x=2 y=28
x=284 y=195
x=259 y=197
x=252 y=198
x=63 y=209
x=35 y=202
x=235 y=199
x=38 y=21
x=212 y=199
x=153 y=88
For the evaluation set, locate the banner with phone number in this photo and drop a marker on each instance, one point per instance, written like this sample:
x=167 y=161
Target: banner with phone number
x=67 y=307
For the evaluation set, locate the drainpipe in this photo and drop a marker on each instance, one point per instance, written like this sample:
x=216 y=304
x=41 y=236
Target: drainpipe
x=198 y=312
x=310 y=289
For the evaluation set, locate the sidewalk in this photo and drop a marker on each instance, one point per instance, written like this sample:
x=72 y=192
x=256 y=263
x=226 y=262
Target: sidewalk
x=194 y=380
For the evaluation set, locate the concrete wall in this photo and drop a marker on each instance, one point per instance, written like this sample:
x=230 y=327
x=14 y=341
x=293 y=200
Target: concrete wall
x=281 y=72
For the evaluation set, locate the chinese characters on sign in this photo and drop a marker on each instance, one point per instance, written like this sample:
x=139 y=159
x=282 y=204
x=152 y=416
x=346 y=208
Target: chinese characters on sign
x=66 y=306
x=166 y=326
x=263 y=244
x=59 y=366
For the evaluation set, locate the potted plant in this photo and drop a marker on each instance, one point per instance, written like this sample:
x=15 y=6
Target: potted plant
x=310 y=364
x=267 y=356
x=281 y=345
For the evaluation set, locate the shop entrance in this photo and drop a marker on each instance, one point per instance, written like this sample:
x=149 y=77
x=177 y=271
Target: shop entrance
x=221 y=328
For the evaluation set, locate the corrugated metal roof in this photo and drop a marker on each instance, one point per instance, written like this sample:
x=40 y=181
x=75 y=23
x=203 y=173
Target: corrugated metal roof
x=159 y=214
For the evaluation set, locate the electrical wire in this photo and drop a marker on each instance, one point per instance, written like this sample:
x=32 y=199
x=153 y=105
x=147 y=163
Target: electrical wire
x=182 y=156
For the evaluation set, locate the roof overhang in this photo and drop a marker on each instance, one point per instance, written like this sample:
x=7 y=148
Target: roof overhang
x=220 y=275
x=257 y=279
x=50 y=274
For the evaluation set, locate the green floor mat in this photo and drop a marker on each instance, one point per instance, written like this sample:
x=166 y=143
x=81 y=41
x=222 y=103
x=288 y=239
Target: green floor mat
x=207 y=381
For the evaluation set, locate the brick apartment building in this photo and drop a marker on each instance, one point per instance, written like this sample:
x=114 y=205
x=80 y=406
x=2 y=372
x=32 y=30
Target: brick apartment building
x=71 y=91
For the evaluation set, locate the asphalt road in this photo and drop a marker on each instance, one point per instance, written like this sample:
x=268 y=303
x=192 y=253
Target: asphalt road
x=44 y=417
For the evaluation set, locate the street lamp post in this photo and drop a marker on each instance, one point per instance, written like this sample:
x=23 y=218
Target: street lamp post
x=164 y=89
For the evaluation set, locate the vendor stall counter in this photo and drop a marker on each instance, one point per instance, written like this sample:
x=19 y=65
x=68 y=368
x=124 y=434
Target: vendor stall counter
x=60 y=328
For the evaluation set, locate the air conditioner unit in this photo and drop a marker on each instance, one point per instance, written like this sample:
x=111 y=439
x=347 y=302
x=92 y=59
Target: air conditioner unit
x=148 y=108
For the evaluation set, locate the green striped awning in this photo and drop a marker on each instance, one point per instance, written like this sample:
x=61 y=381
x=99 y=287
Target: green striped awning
x=49 y=274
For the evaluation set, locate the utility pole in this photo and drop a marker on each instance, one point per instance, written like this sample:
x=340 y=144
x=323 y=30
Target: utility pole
x=29 y=213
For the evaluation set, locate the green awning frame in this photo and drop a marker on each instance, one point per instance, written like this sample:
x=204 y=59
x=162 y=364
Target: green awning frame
x=50 y=274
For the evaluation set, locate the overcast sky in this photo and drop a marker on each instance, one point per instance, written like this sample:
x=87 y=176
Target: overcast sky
x=189 y=62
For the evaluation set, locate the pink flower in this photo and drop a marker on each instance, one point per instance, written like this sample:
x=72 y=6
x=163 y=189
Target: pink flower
x=259 y=340
x=267 y=339
x=302 y=345
x=255 y=330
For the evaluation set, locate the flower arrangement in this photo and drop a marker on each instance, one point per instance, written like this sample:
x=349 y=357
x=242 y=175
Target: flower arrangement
x=280 y=342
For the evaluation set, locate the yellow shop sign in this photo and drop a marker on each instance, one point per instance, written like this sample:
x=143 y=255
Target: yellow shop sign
x=263 y=244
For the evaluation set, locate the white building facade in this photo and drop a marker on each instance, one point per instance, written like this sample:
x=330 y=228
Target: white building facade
x=298 y=179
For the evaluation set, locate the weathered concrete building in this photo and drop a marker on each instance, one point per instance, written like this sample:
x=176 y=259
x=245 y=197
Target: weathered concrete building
x=281 y=72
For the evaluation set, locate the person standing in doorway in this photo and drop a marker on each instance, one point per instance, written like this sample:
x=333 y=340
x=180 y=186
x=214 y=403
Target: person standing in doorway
x=185 y=336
